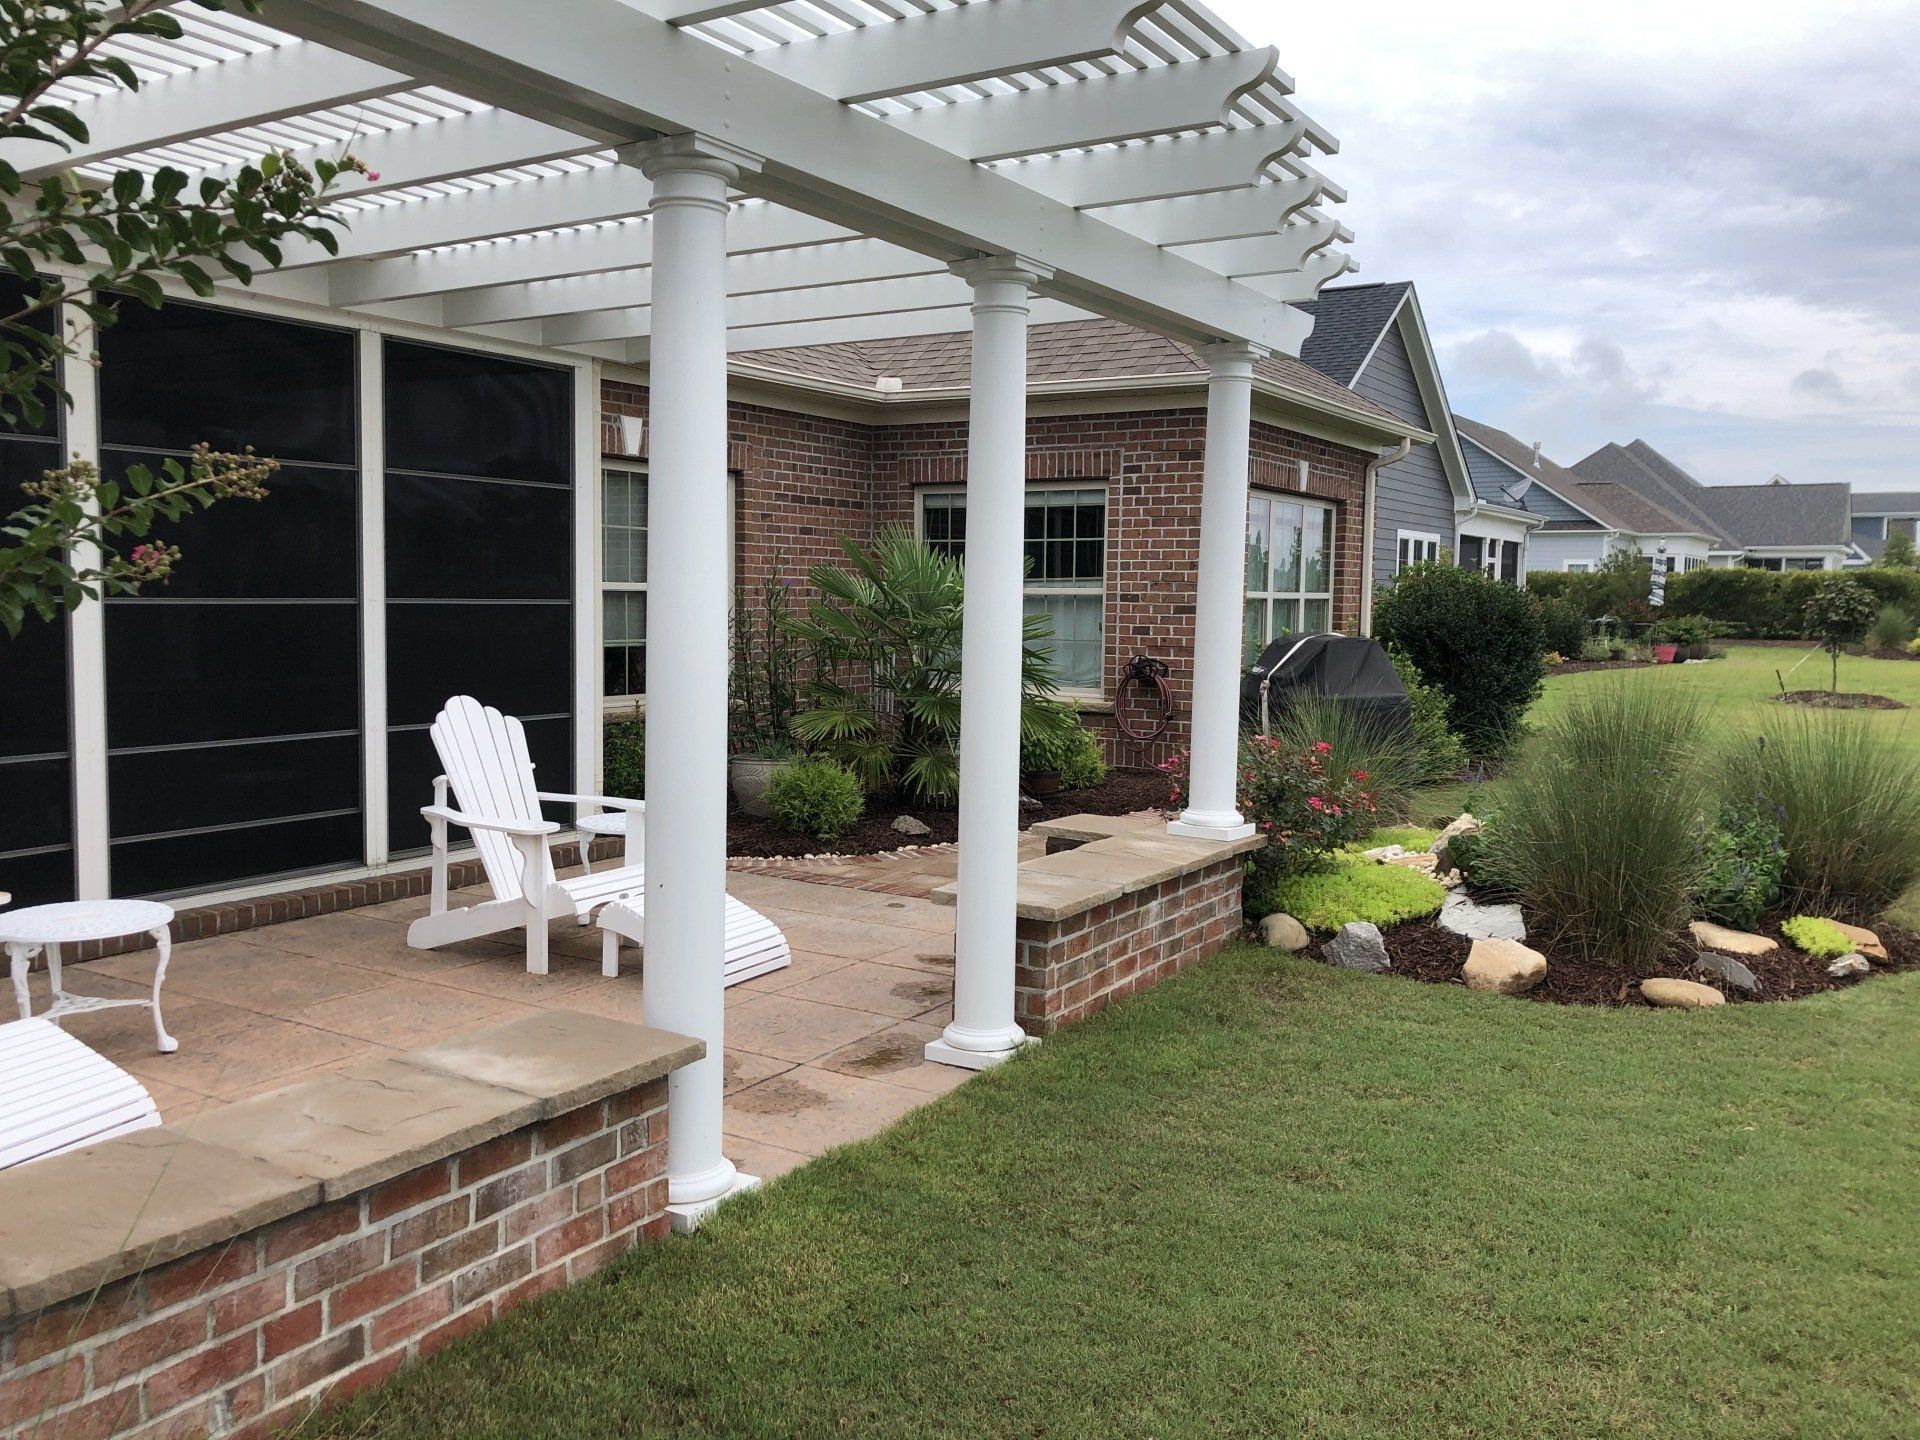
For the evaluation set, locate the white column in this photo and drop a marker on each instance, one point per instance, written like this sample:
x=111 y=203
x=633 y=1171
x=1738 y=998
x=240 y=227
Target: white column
x=1212 y=811
x=983 y=1031
x=87 y=696
x=687 y=651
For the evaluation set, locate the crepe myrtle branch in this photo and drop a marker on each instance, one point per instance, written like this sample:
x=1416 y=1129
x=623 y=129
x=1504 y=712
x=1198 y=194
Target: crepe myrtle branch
x=75 y=244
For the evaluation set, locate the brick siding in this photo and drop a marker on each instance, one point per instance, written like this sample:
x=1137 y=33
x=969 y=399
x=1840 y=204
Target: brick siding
x=244 y=1338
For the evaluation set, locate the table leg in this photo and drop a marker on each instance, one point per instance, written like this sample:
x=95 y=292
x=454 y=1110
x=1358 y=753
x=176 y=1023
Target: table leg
x=164 y=944
x=53 y=974
x=609 y=954
x=21 y=957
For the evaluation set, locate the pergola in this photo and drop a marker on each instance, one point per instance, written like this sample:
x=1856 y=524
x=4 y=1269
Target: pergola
x=662 y=182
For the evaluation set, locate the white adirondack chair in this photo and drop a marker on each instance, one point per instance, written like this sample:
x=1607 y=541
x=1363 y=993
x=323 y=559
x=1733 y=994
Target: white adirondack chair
x=491 y=778
x=57 y=1094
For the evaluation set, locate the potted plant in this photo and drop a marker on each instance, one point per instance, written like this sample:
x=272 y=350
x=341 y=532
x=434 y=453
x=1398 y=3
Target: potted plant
x=764 y=691
x=1046 y=745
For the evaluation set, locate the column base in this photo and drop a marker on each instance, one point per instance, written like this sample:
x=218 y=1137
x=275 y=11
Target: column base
x=940 y=1052
x=688 y=1215
x=1198 y=826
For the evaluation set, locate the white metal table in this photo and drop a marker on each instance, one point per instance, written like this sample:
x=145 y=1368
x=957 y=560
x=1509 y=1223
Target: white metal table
x=28 y=932
x=609 y=823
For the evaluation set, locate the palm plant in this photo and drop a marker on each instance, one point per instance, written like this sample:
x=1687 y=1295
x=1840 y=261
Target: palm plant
x=883 y=651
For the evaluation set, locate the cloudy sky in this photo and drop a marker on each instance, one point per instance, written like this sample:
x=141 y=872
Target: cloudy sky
x=1689 y=221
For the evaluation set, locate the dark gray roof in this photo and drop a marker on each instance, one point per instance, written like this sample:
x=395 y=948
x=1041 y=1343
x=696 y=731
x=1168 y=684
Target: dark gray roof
x=1886 y=502
x=1089 y=350
x=1644 y=471
x=1784 y=514
x=1614 y=506
x=1348 y=321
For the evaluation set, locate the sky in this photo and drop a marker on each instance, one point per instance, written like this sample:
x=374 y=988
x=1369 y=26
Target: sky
x=1691 y=222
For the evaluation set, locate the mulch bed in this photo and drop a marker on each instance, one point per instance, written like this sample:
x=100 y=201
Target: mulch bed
x=1124 y=792
x=1423 y=951
x=1839 y=700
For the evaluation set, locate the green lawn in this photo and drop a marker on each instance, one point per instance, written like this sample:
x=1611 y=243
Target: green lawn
x=1272 y=1199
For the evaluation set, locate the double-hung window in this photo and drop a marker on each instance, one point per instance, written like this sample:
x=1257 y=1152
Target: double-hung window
x=1416 y=547
x=1289 y=570
x=1066 y=550
x=623 y=581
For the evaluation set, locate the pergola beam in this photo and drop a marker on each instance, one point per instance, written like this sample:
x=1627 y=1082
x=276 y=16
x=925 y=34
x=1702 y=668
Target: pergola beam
x=781 y=307
x=852 y=329
x=1158 y=169
x=1218 y=215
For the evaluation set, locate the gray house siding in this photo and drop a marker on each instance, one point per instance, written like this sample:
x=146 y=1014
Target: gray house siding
x=1492 y=477
x=1413 y=494
x=1552 y=549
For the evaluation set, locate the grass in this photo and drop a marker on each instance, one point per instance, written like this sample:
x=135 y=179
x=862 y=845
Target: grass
x=1271 y=1199
x=1407 y=837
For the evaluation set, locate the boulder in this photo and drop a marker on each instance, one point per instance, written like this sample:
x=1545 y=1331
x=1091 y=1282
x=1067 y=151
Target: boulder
x=1283 y=932
x=1465 y=825
x=1358 y=946
x=1848 y=966
x=1465 y=916
x=1384 y=853
x=1728 y=969
x=1680 y=995
x=1504 y=966
x=908 y=825
x=1865 y=942
x=1423 y=861
x=1730 y=942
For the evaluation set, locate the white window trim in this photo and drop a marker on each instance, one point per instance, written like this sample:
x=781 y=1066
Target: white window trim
x=1579 y=567
x=1300 y=595
x=1082 y=694
x=1416 y=537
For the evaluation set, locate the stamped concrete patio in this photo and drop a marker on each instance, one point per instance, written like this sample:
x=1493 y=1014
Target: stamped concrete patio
x=820 y=1054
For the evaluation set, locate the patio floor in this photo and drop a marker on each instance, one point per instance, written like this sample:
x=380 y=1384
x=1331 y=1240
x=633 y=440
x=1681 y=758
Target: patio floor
x=825 y=1052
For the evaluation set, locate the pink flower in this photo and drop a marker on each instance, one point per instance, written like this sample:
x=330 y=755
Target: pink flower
x=1359 y=774
x=373 y=174
x=1321 y=747
x=1314 y=802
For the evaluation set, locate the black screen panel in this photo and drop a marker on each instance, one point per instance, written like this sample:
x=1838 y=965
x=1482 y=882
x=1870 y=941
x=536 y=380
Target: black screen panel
x=457 y=412
x=222 y=784
x=184 y=863
x=517 y=658
x=462 y=539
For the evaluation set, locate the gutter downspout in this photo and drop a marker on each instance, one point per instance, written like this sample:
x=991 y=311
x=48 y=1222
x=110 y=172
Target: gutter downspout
x=1374 y=467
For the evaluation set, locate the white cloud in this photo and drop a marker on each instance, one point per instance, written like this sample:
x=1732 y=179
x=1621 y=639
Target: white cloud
x=1693 y=222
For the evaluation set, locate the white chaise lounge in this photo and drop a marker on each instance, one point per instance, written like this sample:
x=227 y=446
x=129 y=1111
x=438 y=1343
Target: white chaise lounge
x=57 y=1094
x=491 y=779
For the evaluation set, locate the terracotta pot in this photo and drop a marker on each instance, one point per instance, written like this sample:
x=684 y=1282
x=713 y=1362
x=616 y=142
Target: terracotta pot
x=1665 y=654
x=751 y=776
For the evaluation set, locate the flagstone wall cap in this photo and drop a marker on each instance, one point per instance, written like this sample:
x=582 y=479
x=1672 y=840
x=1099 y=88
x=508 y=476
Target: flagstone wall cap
x=1121 y=861
x=97 y=1215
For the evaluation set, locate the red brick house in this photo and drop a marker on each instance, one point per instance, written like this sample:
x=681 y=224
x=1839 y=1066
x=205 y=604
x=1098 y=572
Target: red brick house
x=848 y=439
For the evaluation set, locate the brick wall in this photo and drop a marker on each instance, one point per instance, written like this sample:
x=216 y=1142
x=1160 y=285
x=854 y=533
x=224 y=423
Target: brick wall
x=1066 y=970
x=245 y=1337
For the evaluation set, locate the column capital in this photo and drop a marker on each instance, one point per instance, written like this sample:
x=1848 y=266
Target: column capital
x=689 y=153
x=1231 y=359
x=1001 y=270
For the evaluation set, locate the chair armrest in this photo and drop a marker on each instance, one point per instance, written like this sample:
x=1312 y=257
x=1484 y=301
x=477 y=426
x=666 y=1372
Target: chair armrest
x=605 y=802
x=534 y=828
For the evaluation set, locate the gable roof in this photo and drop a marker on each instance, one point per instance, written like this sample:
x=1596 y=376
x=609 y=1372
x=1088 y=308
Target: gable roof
x=1641 y=470
x=1738 y=516
x=1064 y=351
x=1886 y=502
x=1613 y=506
x=1348 y=321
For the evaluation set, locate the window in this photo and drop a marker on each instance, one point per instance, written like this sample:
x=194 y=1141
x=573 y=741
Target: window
x=1497 y=558
x=1289 y=571
x=1415 y=548
x=1579 y=567
x=623 y=582
x=1066 y=549
x=1907 y=527
x=1689 y=563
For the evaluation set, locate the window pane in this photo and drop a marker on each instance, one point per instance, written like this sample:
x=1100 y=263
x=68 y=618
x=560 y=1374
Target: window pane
x=1259 y=550
x=1904 y=527
x=1286 y=617
x=623 y=531
x=1510 y=562
x=1076 y=636
x=1286 y=547
x=1317 y=537
x=1316 y=616
x=1471 y=551
x=1253 y=630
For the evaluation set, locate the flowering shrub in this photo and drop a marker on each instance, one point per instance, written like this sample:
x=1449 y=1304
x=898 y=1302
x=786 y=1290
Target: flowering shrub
x=1306 y=809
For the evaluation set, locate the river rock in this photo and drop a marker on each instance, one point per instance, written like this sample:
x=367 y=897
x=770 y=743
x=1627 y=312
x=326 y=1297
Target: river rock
x=908 y=825
x=1680 y=994
x=1283 y=932
x=1848 y=966
x=1504 y=966
x=1465 y=916
x=1358 y=946
x=1728 y=969
x=1731 y=942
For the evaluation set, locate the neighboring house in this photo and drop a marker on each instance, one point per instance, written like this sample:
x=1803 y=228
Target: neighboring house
x=1373 y=339
x=1582 y=521
x=1878 y=516
x=1776 y=526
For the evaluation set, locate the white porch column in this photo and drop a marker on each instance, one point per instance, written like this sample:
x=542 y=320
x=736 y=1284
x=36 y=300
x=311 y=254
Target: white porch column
x=983 y=1031
x=687 y=650
x=1212 y=811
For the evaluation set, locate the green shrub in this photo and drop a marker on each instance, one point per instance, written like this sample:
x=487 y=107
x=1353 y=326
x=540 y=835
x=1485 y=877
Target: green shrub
x=1747 y=600
x=1305 y=807
x=1844 y=797
x=1044 y=744
x=1083 y=765
x=1359 y=890
x=1477 y=639
x=1599 y=829
x=1913 y=649
x=1892 y=628
x=1838 y=614
x=1745 y=862
x=623 y=757
x=1563 y=630
x=1359 y=744
x=1597 y=651
x=1821 y=939
x=1442 y=756
x=817 y=798
x=1476 y=857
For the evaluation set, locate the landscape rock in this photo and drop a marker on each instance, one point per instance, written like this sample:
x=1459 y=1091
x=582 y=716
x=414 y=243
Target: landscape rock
x=1865 y=942
x=1731 y=942
x=1729 y=970
x=1426 y=863
x=1358 y=946
x=1464 y=825
x=1504 y=966
x=1680 y=995
x=1283 y=932
x=1465 y=916
x=1384 y=853
x=1027 y=802
x=1847 y=966
x=908 y=825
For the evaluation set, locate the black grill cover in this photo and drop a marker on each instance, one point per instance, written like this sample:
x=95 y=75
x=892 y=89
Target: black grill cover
x=1351 y=670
